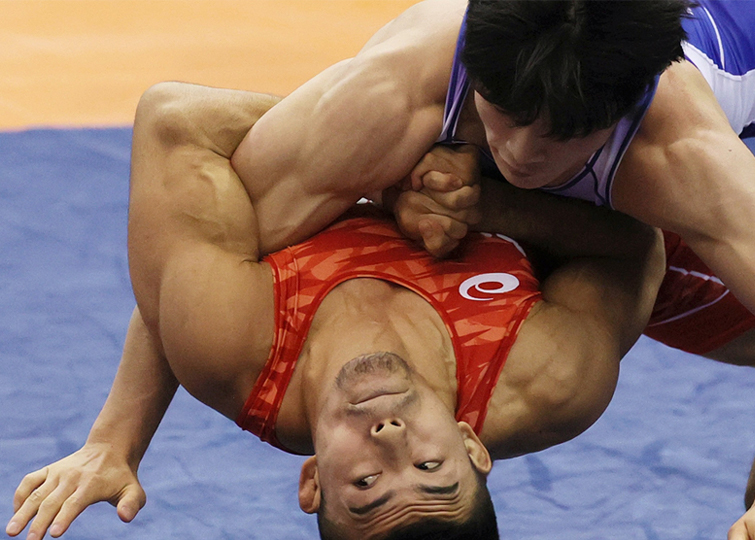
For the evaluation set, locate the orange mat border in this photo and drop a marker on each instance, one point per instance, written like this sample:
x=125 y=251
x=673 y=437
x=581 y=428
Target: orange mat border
x=86 y=62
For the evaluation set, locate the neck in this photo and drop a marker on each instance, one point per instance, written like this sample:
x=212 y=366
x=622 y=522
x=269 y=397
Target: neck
x=358 y=317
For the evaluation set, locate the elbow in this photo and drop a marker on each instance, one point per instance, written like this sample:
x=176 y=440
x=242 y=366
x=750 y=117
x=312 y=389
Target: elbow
x=578 y=398
x=161 y=116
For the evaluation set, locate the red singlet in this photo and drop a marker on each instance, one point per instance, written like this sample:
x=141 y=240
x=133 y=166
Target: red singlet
x=694 y=312
x=483 y=295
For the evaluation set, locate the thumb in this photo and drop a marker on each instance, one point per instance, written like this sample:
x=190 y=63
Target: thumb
x=131 y=500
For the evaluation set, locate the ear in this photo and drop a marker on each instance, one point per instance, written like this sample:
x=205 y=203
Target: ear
x=309 y=486
x=478 y=454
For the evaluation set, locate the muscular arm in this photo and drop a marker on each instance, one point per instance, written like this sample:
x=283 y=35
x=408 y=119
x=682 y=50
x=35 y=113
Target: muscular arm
x=562 y=371
x=105 y=468
x=689 y=173
x=353 y=130
x=192 y=242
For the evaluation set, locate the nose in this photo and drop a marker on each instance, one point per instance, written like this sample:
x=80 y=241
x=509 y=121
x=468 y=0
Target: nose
x=389 y=430
x=525 y=146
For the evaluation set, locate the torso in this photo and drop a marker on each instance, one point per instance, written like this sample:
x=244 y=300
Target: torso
x=482 y=298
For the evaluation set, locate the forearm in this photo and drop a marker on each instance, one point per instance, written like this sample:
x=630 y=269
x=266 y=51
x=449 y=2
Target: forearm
x=608 y=266
x=143 y=388
x=560 y=227
x=732 y=260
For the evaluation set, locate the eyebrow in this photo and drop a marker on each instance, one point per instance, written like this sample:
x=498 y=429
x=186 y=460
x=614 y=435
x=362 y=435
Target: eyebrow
x=361 y=510
x=430 y=490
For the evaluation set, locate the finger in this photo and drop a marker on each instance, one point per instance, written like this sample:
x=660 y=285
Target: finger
x=457 y=200
x=441 y=235
x=29 y=507
x=132 y=500
x=49 y=509
x=29 y=483
x=415 y=178
x=441 y=181
x=425 y=165
x=74 y=504
x=436 y=224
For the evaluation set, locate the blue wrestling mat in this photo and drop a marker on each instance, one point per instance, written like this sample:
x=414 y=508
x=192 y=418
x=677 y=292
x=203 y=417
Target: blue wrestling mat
x=668 y=460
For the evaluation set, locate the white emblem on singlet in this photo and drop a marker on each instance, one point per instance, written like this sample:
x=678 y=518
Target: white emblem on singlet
x=505 y=283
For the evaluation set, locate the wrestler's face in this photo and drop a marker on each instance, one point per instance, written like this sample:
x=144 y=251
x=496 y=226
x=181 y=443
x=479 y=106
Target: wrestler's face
x=527 y=156
x=389 y=452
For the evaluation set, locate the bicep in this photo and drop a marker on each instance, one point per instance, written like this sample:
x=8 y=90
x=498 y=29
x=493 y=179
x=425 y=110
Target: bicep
x=559 y=378
x=689 y=173
x=562 y=370
x=182 y=191
x=719 y=228
x=355 y=129
x=611 y=296
x=593 y=311
x=702 y=188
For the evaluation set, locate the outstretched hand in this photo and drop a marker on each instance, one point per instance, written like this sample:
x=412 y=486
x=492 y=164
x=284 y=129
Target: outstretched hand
x=58 y=493
x=438 y=201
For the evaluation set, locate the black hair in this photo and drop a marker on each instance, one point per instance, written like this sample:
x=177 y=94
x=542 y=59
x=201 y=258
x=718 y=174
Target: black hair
x=581 y=64
x=481 y=524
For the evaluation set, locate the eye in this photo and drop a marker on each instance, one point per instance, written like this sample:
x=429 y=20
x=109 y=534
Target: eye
x=367 y=481
x=429 y=465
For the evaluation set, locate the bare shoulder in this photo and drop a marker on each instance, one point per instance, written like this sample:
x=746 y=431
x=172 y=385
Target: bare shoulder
x=356 y=128
x=671 y=173
x=558 y=379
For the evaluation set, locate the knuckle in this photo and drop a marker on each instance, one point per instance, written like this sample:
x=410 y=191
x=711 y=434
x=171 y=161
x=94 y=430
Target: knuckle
x=36 y=496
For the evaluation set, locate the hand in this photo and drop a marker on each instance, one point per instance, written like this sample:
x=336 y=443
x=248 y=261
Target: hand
x=744 y=528
x=439 y=220
x=437 y=202
x=58 y=493
x=446 y=168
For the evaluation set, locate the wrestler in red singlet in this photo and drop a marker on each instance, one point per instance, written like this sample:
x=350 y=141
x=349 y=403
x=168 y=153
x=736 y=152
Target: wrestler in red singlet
x=483 y=294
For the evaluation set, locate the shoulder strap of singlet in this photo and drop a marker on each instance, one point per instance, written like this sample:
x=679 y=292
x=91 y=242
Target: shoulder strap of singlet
x=458 y=88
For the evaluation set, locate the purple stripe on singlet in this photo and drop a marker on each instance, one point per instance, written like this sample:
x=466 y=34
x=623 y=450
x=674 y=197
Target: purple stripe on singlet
x=458 y=87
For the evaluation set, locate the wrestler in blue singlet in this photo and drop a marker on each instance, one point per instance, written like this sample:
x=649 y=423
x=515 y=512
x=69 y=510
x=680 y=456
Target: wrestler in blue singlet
x=721 y=44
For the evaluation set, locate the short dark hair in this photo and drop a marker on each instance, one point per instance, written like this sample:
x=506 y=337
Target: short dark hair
x=582 y=64
x=481 y=524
